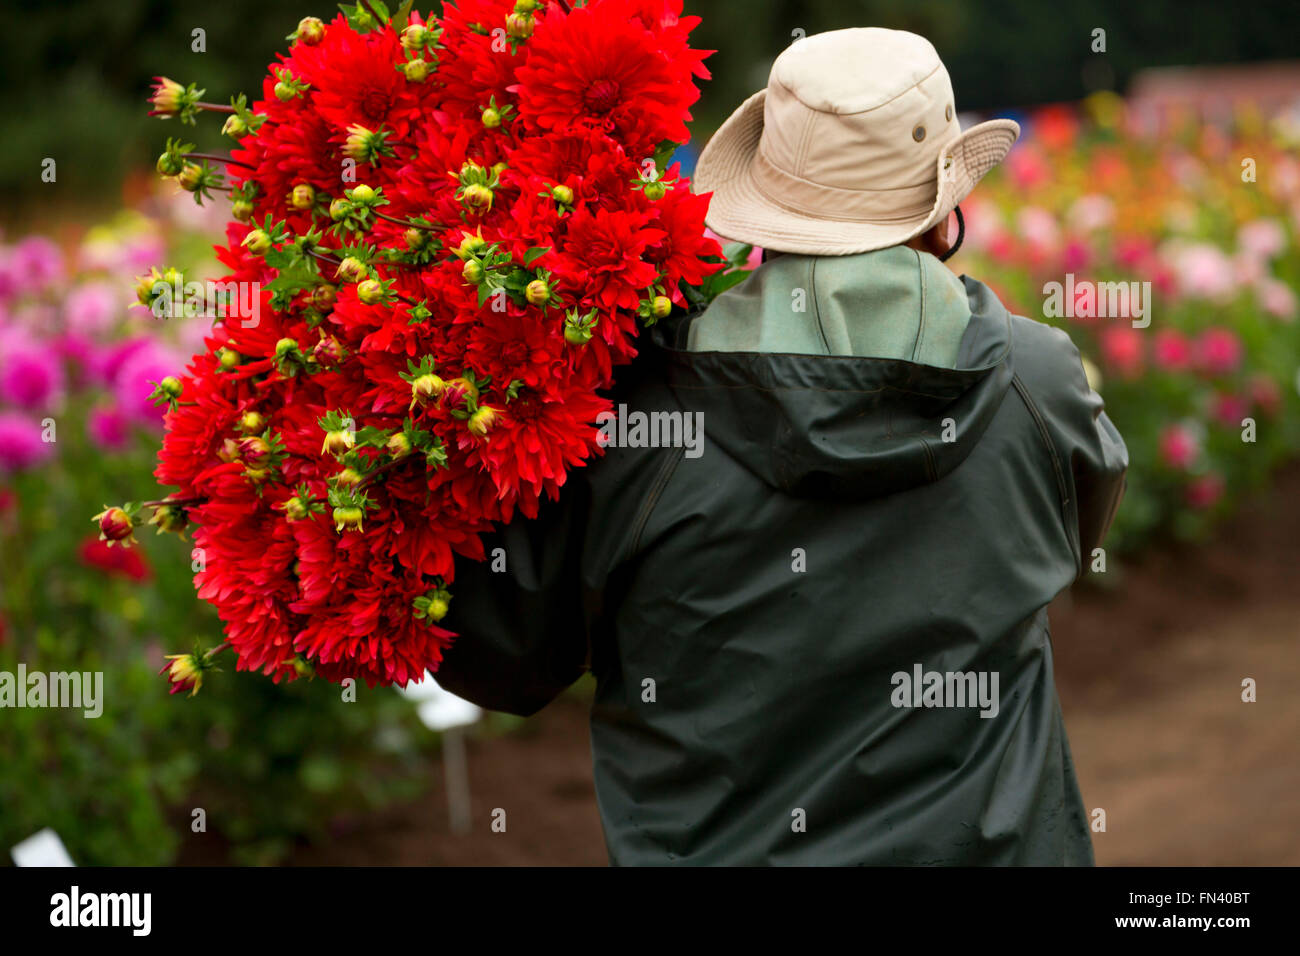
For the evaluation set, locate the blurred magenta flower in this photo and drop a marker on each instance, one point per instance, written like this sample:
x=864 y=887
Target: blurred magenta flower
x=1121 y=347
x=1204 y=491
x=1276 y=298
x=1219 y=351
x=1262 y=238
x=1172 y=351
x=93 y=307
x=1229 y=409
x=31 y=377
x=37 y=262
x=1204 y=271
x=108 y=428
x=134 y=378
x=1179 y=447
x=22 y=443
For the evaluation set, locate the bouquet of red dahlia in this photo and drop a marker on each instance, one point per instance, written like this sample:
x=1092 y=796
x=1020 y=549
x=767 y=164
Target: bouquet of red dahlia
x=446 y=235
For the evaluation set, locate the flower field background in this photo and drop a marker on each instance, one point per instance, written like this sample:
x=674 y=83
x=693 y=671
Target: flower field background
x=1090 y=191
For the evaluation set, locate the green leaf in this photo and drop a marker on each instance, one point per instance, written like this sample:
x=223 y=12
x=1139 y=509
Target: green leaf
x=535 y=253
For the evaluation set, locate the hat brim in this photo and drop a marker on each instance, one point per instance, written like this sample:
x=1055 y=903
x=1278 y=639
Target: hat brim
x=741 y=211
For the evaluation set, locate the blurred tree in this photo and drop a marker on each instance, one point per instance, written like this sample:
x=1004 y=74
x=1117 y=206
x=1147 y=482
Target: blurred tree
x=77 y=73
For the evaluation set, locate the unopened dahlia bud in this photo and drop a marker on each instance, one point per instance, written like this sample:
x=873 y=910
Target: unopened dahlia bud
x=398 y=444
x=285 y=347
x=425 y=388
x=310 y=31
x=190 y=176
x=459 y=391
x=170 y=387
x=432 y=606
x=364 y=145
x=114 y=525
x=348 y=478
x=338 y=442
x=478 y=197
x=484 y=417
x=339 y=209
x=655 y=191
x=472 y=271
x=170 y=163
x=253 y=449
x=295 y=509
x=491 y=118
x=252 y=421
x=327 y=351
x=303 y=196
x=661 y=307
x=416 y=71
x=538 y=292
x=258 y=242
x=563 y=195
x=363 y=193
x=185 y=671
x=168 y=517
x=324 y=297
x=416 y=36
x=351 y=269
x=234 y=127
x=168 y=97
x=472 y=243
x=348 y=518
x=578 y=329
x=242 y=210
x=370 y=292
x=416 y=239
x=229 y=359
x=229 y=451
x=519 y=26
x=527 y=6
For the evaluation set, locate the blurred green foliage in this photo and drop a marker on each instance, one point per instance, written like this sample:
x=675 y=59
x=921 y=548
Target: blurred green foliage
x=77 y=73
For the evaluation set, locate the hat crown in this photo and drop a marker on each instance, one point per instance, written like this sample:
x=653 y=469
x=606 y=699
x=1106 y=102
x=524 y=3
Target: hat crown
x=850 y=71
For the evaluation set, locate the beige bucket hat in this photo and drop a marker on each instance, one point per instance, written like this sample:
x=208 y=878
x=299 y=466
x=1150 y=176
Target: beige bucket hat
x=853 y=146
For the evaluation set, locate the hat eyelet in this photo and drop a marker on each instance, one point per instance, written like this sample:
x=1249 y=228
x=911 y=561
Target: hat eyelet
x=947 y=113
x=918 y=134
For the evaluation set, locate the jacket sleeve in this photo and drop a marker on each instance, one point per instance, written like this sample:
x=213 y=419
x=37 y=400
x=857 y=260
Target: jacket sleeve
x=521 y=634
x=1091 y=449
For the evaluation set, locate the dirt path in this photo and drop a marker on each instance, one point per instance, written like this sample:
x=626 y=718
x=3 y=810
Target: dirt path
x=1150 y=670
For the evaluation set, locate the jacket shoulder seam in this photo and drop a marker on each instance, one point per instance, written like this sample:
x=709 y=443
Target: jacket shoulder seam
x=1061 y=487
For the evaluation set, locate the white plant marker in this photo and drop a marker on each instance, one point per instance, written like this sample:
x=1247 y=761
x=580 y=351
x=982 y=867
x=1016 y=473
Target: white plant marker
x=43 y=848
x=445 y=713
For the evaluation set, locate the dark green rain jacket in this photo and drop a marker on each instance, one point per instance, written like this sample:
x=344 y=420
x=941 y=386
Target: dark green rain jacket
x=789 y=623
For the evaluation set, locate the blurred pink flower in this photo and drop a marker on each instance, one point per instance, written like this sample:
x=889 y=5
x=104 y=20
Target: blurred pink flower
x=1179 y=446
x=1039 y=229
x=1204 y=271
x=1133 y=252
x=1219 y=351
x=93 y=307
x=1076 y=256
x=1229 y=409
x=1027 y=166
x=1262 y=238
x=31 y=378
x=1266 y=394
x=131 y=384
x=1121 y=348
x=1172 y=351
x=1276 y=298
x=37 y=262
x=21 y=442
x=108 y=428
x=1091 y=212
x=1204 y=491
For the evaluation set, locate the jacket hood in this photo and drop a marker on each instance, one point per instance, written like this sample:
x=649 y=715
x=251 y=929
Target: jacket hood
x=818 y=425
